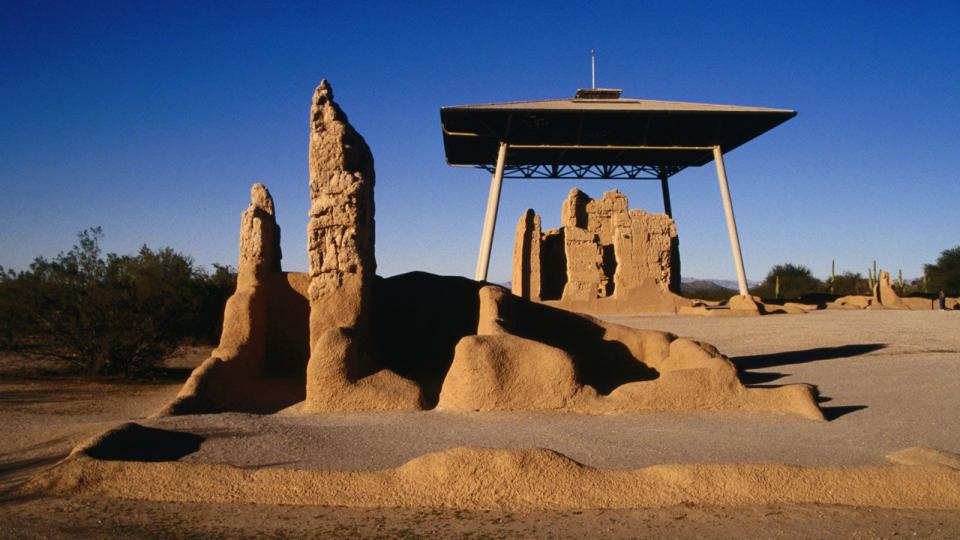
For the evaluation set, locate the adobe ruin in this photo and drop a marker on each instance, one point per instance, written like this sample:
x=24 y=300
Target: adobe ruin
x=338 y=338
x=605 y=257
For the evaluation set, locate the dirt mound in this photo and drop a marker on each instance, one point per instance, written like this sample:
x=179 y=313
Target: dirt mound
x=332 y=387
x=925 y=456
x=528 y=356
x=506 y=373
x=522 y=479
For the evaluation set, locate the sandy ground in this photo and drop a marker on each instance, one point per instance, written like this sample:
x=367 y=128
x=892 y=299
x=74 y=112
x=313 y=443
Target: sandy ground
x=116 y=518
x=44 y=417
x=890 y=377
x=888 y=380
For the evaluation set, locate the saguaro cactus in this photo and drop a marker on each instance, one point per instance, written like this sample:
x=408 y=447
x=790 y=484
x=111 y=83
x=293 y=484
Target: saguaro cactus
x=833 y=274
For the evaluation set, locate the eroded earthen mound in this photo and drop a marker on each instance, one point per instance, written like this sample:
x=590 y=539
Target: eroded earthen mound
x=529 y=356
x=462 y=345
x=510 y=479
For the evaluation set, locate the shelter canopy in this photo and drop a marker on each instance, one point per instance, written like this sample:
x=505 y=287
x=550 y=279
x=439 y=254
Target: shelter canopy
x=601 y=131
x=597 y=134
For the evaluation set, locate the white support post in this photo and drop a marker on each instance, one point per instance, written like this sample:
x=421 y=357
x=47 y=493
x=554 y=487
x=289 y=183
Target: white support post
x=731 y=221
x=490 y=221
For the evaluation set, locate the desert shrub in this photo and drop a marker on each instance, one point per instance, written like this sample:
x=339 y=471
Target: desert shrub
x=917 y=287
x=945 y=273
x=110 y=314
x=795 y=280
x=850 y=283
x=216 y=289
x=9 y=315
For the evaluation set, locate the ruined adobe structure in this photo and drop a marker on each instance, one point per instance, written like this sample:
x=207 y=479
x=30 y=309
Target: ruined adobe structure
x=608 y=258
x=339 y=338
x=885 y=296
x=605 y=257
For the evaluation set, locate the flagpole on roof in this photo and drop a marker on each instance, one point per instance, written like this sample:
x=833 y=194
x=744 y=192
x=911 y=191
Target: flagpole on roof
x=593 y=68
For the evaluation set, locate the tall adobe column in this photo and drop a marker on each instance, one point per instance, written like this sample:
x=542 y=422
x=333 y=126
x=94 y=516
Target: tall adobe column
x=228 y=378
x=526 y=256
x=342 y=374
x=340 y=235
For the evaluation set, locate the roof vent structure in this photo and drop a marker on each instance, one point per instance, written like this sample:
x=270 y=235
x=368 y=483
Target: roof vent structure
x=598 y=93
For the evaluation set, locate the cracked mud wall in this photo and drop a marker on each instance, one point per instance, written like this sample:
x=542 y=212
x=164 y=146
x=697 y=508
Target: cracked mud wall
x=608 y=250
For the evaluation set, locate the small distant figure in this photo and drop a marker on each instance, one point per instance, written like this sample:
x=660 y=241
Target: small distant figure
x=942 y=298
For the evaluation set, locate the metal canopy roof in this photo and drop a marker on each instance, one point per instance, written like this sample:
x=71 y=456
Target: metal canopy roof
x=599 y=137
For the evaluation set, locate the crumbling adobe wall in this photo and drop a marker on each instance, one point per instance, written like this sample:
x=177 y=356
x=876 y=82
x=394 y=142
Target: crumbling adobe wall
x=526 y=250
x=646 y=251
x=610 y=252
x=585 y=278
x=340 y=234
x=245 y=372
x=342 y=373
x=885 y=295
x=338 y=339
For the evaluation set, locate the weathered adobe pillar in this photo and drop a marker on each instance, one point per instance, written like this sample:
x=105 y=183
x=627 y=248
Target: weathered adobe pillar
x=526 y=257
x=259 y=237
x=342 y=374
x=340 y=235
x=223 y=380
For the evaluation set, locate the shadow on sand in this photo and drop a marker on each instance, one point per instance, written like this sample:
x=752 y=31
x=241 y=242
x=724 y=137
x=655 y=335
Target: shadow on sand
x=133 y=442
x=761 y=361
x=832 y=413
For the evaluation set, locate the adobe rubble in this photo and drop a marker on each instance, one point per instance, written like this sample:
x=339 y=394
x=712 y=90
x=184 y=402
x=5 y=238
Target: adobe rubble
x=884 y=296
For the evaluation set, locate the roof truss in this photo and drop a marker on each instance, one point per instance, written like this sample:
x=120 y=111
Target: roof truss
x=588 y=172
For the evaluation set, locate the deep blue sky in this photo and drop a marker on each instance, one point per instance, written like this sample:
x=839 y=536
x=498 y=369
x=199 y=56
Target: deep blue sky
x=152 y=119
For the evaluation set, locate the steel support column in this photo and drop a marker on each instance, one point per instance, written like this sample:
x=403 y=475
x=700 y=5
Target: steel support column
x=731 y=221
x=665 y=186
x=490 y=220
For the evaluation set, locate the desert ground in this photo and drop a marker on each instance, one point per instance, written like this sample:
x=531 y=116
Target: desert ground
x=887 y=381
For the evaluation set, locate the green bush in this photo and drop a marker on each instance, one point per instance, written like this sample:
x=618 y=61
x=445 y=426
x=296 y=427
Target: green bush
x=945 y=273
x=216 y=288
x=795 y=280
x=851 y=283
x=111 y=314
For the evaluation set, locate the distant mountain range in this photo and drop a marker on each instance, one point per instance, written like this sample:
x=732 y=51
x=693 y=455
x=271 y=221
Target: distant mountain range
x=697 y=283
